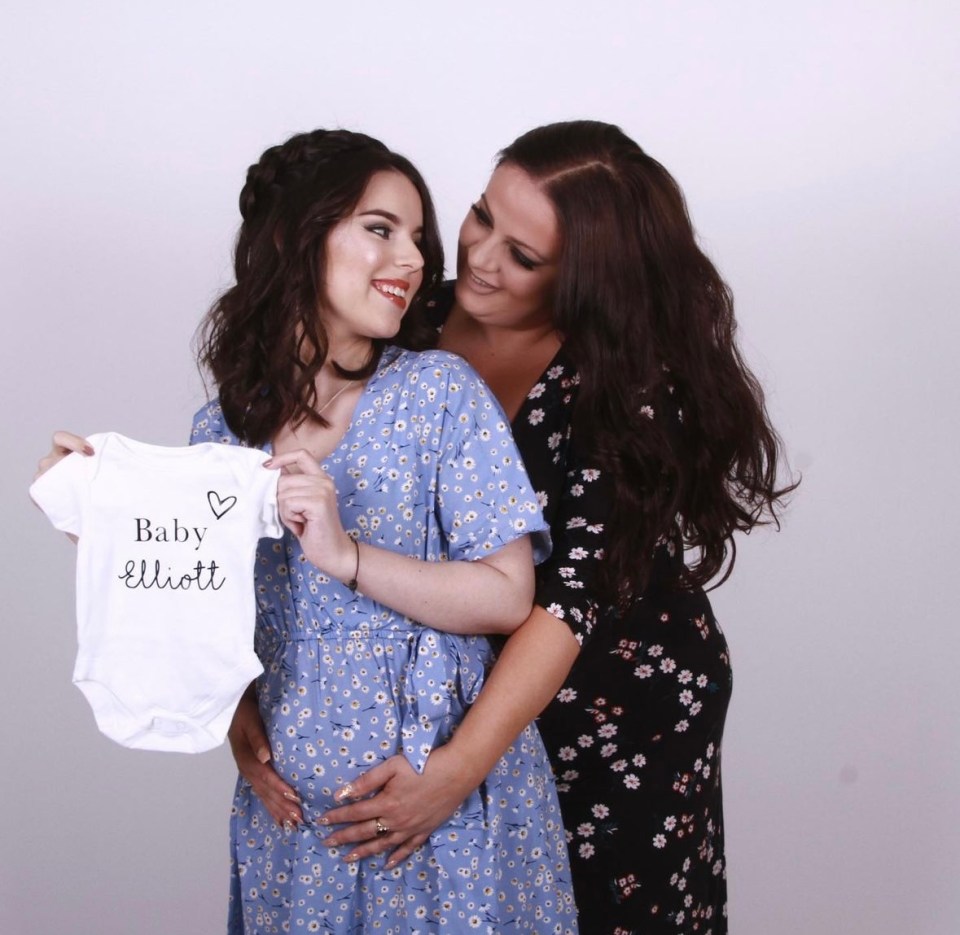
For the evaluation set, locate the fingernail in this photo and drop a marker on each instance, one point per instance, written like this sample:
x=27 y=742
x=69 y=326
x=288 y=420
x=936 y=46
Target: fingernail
x=323 y=820
x=292 y=796
x=351 y=857
x=390 y=864
x=88 y=449
x=343 y=793
x=263 y=755
x=295 y=818
x=288 y=826
x=268 y=463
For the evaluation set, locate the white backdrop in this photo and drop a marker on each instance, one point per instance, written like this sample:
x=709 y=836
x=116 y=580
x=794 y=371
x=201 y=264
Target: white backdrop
x=818 y=146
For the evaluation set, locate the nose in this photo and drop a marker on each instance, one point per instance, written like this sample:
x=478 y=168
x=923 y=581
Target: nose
x=482 y=254
x=409 y=256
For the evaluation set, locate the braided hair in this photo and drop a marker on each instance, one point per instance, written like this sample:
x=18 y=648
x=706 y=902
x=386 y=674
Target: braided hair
x=263 y=341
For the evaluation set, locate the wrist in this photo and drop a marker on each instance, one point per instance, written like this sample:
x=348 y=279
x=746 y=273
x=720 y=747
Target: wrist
x=351 y=580
x=350 y=565
x=457 y=768
x=338 y=560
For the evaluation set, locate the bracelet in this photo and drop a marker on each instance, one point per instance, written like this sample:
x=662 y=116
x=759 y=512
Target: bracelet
x=352 y=583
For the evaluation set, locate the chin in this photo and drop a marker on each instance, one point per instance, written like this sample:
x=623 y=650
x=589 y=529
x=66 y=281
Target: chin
x=467 y=299
x=388 y=332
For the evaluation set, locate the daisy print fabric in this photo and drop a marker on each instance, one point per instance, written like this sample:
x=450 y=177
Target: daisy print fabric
x=427 y=468
x=635 y=733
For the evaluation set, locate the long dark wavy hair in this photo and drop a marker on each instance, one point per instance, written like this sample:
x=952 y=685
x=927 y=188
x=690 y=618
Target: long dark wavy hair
x=646 y=318
x=263 y=341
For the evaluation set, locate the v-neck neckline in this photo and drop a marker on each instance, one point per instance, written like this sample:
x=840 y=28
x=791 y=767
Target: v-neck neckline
x=377 y=375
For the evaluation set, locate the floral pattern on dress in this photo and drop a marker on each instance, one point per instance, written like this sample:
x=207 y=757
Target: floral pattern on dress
x=427 y=468
x=635 y=732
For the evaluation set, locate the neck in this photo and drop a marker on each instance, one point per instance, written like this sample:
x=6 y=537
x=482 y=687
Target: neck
x=510 y=359
x=515 y=337
x=350 y=353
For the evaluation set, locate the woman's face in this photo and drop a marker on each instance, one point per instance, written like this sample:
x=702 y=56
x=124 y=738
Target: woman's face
x=373 y=262
x=508 y=252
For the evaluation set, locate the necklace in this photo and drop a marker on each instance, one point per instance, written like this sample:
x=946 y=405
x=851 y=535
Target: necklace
x=330 y=401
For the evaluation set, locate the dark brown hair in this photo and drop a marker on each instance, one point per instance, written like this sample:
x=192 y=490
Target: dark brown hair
x=648 y=321
x=263 y=341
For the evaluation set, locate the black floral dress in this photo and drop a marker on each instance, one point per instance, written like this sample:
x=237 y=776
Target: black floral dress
x=634 y=735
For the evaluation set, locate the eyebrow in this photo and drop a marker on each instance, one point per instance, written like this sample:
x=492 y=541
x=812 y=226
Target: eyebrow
x=390 y=216
x=519 y=243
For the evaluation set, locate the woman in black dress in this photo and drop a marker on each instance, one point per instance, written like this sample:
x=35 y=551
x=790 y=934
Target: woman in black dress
x=608 y=337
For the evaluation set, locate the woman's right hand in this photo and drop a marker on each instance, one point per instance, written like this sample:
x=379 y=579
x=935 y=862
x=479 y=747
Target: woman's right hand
x=63 y=444
x=248 y=741
x=411 y=805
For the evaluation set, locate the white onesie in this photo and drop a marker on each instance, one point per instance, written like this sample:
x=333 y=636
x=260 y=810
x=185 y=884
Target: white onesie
x=165 y=595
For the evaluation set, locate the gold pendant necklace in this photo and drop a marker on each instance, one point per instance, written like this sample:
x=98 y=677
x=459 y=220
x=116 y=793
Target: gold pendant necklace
x=330 y=401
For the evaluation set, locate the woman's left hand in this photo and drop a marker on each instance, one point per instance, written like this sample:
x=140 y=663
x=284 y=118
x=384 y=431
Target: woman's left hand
x=308 y=507
x=411 y=805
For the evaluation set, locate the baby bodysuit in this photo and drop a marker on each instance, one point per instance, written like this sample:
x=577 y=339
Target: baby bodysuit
x=166 y=607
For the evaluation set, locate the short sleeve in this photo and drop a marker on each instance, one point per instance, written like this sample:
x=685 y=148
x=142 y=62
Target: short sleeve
x=484 y=498
x=210 y=426
x=566 y=583
x=62 y=491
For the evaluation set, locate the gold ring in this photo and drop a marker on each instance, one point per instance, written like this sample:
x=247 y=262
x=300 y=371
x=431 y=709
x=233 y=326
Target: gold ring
x=381 y=827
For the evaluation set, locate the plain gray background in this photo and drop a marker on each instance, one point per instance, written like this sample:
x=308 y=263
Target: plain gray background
x=818 y=146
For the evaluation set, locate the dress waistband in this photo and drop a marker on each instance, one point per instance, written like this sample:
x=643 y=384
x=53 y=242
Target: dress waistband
x=315 y=623
x=339 y=633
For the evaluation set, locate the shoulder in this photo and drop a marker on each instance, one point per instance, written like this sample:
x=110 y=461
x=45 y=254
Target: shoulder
x=434 y=368
x=210 y=426
x=443 y=389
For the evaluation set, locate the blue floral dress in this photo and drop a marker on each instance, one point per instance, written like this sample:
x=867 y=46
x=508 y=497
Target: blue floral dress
x=429 y=469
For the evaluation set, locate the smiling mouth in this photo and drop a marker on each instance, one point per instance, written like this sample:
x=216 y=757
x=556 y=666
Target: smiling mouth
x=393 y=289
x=478 y=282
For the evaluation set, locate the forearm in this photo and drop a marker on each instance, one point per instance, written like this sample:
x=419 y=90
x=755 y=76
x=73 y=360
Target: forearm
x=528 y=673
x=492 y=595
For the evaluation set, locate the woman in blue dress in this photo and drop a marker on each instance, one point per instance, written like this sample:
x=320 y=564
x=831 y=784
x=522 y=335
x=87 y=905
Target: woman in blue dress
x=412 y=529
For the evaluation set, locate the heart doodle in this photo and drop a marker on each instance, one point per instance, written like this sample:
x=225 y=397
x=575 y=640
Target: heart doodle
x=220 y=505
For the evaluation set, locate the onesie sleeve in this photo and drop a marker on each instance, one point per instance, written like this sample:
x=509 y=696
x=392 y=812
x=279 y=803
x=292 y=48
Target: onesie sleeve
x=265 y=482
x=210 y=426
x=566 y=583
x=484 y=498
x=62 y=491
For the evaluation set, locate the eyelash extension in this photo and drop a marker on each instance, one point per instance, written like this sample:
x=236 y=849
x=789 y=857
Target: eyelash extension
x=481 y=215
x=523 y=259
x=518 y=257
